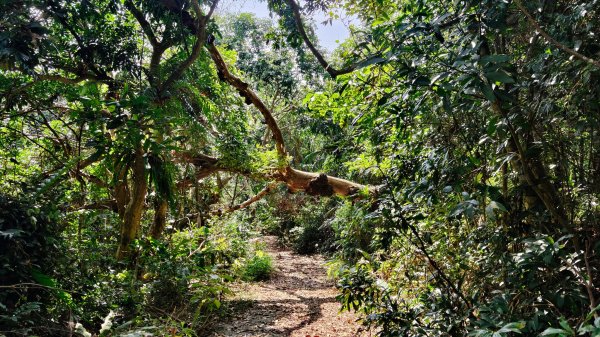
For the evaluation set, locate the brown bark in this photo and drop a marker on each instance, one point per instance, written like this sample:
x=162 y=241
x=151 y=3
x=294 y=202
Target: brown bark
x=322 y=184
x=101 y=205
x=133 y=213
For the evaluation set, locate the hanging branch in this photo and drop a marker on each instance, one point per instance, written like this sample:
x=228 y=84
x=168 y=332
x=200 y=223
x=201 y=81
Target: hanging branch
x=552 y=40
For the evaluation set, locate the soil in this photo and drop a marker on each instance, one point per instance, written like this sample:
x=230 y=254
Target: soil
x=298 y=301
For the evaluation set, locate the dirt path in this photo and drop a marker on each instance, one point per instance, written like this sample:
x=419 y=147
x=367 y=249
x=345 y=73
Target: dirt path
x=298 y=301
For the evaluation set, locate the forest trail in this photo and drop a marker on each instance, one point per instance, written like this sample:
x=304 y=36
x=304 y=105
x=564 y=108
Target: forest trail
x=298 y=301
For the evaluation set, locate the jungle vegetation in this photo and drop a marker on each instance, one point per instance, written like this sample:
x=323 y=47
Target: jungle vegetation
x=446 y=157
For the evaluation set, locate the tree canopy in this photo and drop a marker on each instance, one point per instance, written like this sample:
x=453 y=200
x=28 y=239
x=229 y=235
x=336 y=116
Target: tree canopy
x=449 y=150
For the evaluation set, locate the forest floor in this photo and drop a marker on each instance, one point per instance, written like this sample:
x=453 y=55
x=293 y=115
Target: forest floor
x=298 y=301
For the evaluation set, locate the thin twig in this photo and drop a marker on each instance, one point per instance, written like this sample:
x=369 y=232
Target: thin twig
x=255 y=198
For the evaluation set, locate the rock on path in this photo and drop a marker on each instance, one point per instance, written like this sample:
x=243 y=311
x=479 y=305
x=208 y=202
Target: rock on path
x=297 y=301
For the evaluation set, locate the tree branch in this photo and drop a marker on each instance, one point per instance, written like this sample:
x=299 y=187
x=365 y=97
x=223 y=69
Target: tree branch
x=245 y=91
x=139 y=16
x=300 y=26
x=312 y=183
x=550 y=39
x=109 y=204
x=270 y=187
x=200 y=32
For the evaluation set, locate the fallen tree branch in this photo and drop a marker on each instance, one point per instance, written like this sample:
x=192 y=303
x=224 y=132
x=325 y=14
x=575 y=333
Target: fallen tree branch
x=297 y=180
x=312 y=183
x=323 y=185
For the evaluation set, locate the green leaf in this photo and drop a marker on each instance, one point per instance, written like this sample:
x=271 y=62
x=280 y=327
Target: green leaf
x=370 y=61
x=499 y=76
x=512 y=327
x=554 y=331
x=566 y=326
x=11 y=233
x=488 y=92
x=421 y=80
x=42 y=278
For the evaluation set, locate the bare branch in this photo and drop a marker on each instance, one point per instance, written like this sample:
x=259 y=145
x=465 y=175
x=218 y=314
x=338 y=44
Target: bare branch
x=324 y=185
x=110 y=205
x=211 y=10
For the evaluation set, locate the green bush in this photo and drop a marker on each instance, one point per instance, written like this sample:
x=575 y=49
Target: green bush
x=31 y=298
x=259 y=267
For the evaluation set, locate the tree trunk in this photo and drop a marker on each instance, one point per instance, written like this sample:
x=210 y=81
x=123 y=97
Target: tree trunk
x=121 y=190
x=133 y=214
x=160 y=218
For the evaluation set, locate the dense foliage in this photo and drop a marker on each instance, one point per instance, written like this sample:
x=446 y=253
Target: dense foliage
x=144 y=143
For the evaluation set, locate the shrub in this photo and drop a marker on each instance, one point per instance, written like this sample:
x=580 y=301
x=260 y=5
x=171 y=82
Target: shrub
x=259 y=267
x=32 y=298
